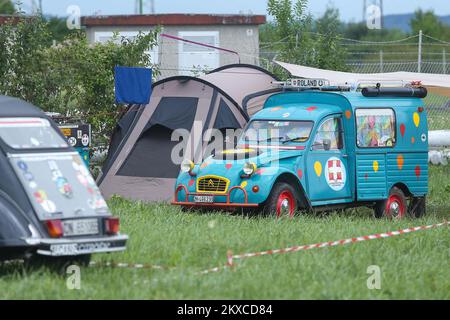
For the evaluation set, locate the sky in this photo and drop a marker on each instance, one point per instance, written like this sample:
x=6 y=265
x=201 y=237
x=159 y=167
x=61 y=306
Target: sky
x=350 y=10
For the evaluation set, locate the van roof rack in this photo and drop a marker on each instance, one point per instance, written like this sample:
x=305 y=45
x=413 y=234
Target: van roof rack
x=300 y=84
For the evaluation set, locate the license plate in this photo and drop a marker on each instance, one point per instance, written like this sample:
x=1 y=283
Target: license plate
x=69 y=249
x=204 y=199
x=80 y=227
x=64 y=249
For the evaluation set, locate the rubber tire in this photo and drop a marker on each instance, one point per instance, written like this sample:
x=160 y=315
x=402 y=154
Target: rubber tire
x=380 y=206
x=270 y=206
x=417 y=207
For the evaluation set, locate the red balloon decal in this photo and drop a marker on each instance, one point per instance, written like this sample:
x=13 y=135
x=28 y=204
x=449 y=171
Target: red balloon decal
x=402 y=129
x=417 y=170
x=228 y=165
x=311 y=108
x=300 y=173
x=260 y=171
x=191 y=183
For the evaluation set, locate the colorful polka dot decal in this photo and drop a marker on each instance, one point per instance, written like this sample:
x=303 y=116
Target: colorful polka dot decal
x=417 y=171
x=204 y=165
x=244 y=184
x=400 y=161
x=191 y=182
x=318 y=168
x=348 y=114
x=228 y=165
x=312 y=108
x=402 y=129
x=375 y=166
x=416 y=119
x=299 y=173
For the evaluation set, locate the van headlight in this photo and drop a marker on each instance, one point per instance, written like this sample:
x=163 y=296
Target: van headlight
x=249 y=168
x=187 y=165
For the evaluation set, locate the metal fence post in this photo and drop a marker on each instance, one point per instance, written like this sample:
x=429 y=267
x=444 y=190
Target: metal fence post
x=444 y=62
x=381 y=61
x=419 y=58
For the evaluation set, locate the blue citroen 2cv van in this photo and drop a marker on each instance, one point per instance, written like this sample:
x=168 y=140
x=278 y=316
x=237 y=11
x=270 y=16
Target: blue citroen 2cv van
x=324 y=148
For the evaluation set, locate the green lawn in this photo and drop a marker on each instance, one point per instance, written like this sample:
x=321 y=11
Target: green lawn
x=413 y=266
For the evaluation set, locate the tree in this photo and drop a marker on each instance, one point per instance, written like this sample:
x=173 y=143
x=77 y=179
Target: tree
x=295 y=41
x=430 y=24
x=7 y=7
x=291 y=26
x=330 y=53
x=74 y=77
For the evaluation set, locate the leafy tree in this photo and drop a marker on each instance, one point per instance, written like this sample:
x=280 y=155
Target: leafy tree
x=291 y=27
x=430 y=24
x=330 y=53
x=294 y=38
x=7 y=7
x=74 y=77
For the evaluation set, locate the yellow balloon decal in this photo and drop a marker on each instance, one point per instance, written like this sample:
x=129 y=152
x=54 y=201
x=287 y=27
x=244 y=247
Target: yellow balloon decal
x=416 y=119
x=318 y=168
x=375 y=166
x=244 y=184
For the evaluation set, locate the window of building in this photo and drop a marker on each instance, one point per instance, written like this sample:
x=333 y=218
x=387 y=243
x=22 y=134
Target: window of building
x=105 y=36
x=194 y=57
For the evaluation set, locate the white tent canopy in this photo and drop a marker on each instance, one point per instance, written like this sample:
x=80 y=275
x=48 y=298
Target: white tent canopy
x=340 y=78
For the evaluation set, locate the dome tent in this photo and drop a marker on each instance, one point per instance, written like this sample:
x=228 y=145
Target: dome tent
x=139 y=164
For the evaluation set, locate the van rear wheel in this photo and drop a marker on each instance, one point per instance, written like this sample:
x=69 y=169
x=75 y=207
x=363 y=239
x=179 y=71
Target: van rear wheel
x=282 y=201
x=394 y=207
x=417 y=207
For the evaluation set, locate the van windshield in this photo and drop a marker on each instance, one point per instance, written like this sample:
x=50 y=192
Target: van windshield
x=271 y=131
x=30 y=133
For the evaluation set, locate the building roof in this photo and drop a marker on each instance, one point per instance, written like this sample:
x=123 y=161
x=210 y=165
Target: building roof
x=14 y=19
x=172 y=19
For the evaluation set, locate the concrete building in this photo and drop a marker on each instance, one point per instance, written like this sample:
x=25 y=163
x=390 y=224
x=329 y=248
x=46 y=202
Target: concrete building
x=239 y=33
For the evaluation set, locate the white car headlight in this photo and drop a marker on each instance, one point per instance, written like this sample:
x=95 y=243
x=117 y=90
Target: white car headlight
x=249 y=168
x=187 y=165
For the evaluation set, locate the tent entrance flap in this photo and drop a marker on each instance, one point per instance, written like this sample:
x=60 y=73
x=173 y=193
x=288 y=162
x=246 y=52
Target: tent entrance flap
x=171 y=113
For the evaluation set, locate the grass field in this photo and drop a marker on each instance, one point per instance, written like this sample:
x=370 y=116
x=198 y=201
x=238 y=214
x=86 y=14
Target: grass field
x=413 y=266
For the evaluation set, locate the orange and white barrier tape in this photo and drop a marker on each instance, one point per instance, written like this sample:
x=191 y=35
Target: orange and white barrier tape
x=127 y=265
x=231 y=257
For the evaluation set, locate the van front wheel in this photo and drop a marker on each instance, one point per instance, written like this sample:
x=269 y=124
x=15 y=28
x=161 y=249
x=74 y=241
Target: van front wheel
x=394 y=207
x=282 y=200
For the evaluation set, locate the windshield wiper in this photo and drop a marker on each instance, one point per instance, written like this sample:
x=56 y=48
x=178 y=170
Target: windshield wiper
x=270 y=139
x=293 y=139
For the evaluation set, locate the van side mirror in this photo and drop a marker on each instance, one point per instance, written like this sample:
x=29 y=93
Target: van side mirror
x=326 y=144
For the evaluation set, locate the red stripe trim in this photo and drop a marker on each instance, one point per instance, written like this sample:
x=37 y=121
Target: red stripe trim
x=21 y=122
x=275 y=147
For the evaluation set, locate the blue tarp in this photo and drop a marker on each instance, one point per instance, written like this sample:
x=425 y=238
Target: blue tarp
x=133 y=85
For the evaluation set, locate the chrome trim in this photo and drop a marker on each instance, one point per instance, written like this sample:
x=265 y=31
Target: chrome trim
x=50 y=253
x=84 y=240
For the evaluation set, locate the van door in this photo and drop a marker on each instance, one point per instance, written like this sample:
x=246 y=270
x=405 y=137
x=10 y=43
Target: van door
x=327 y=164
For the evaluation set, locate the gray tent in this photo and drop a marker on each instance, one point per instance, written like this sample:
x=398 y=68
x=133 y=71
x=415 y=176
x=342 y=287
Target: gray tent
x=139 y=164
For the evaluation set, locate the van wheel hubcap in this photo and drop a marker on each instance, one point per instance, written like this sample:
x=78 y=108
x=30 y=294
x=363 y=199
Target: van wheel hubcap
x=395 y=208
x=285 y=204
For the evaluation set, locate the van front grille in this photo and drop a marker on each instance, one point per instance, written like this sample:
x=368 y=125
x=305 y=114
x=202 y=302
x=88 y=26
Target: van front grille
x=212 y=184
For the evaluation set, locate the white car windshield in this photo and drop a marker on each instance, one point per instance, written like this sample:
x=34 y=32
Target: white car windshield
x=274 y=131
x=30 y=133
